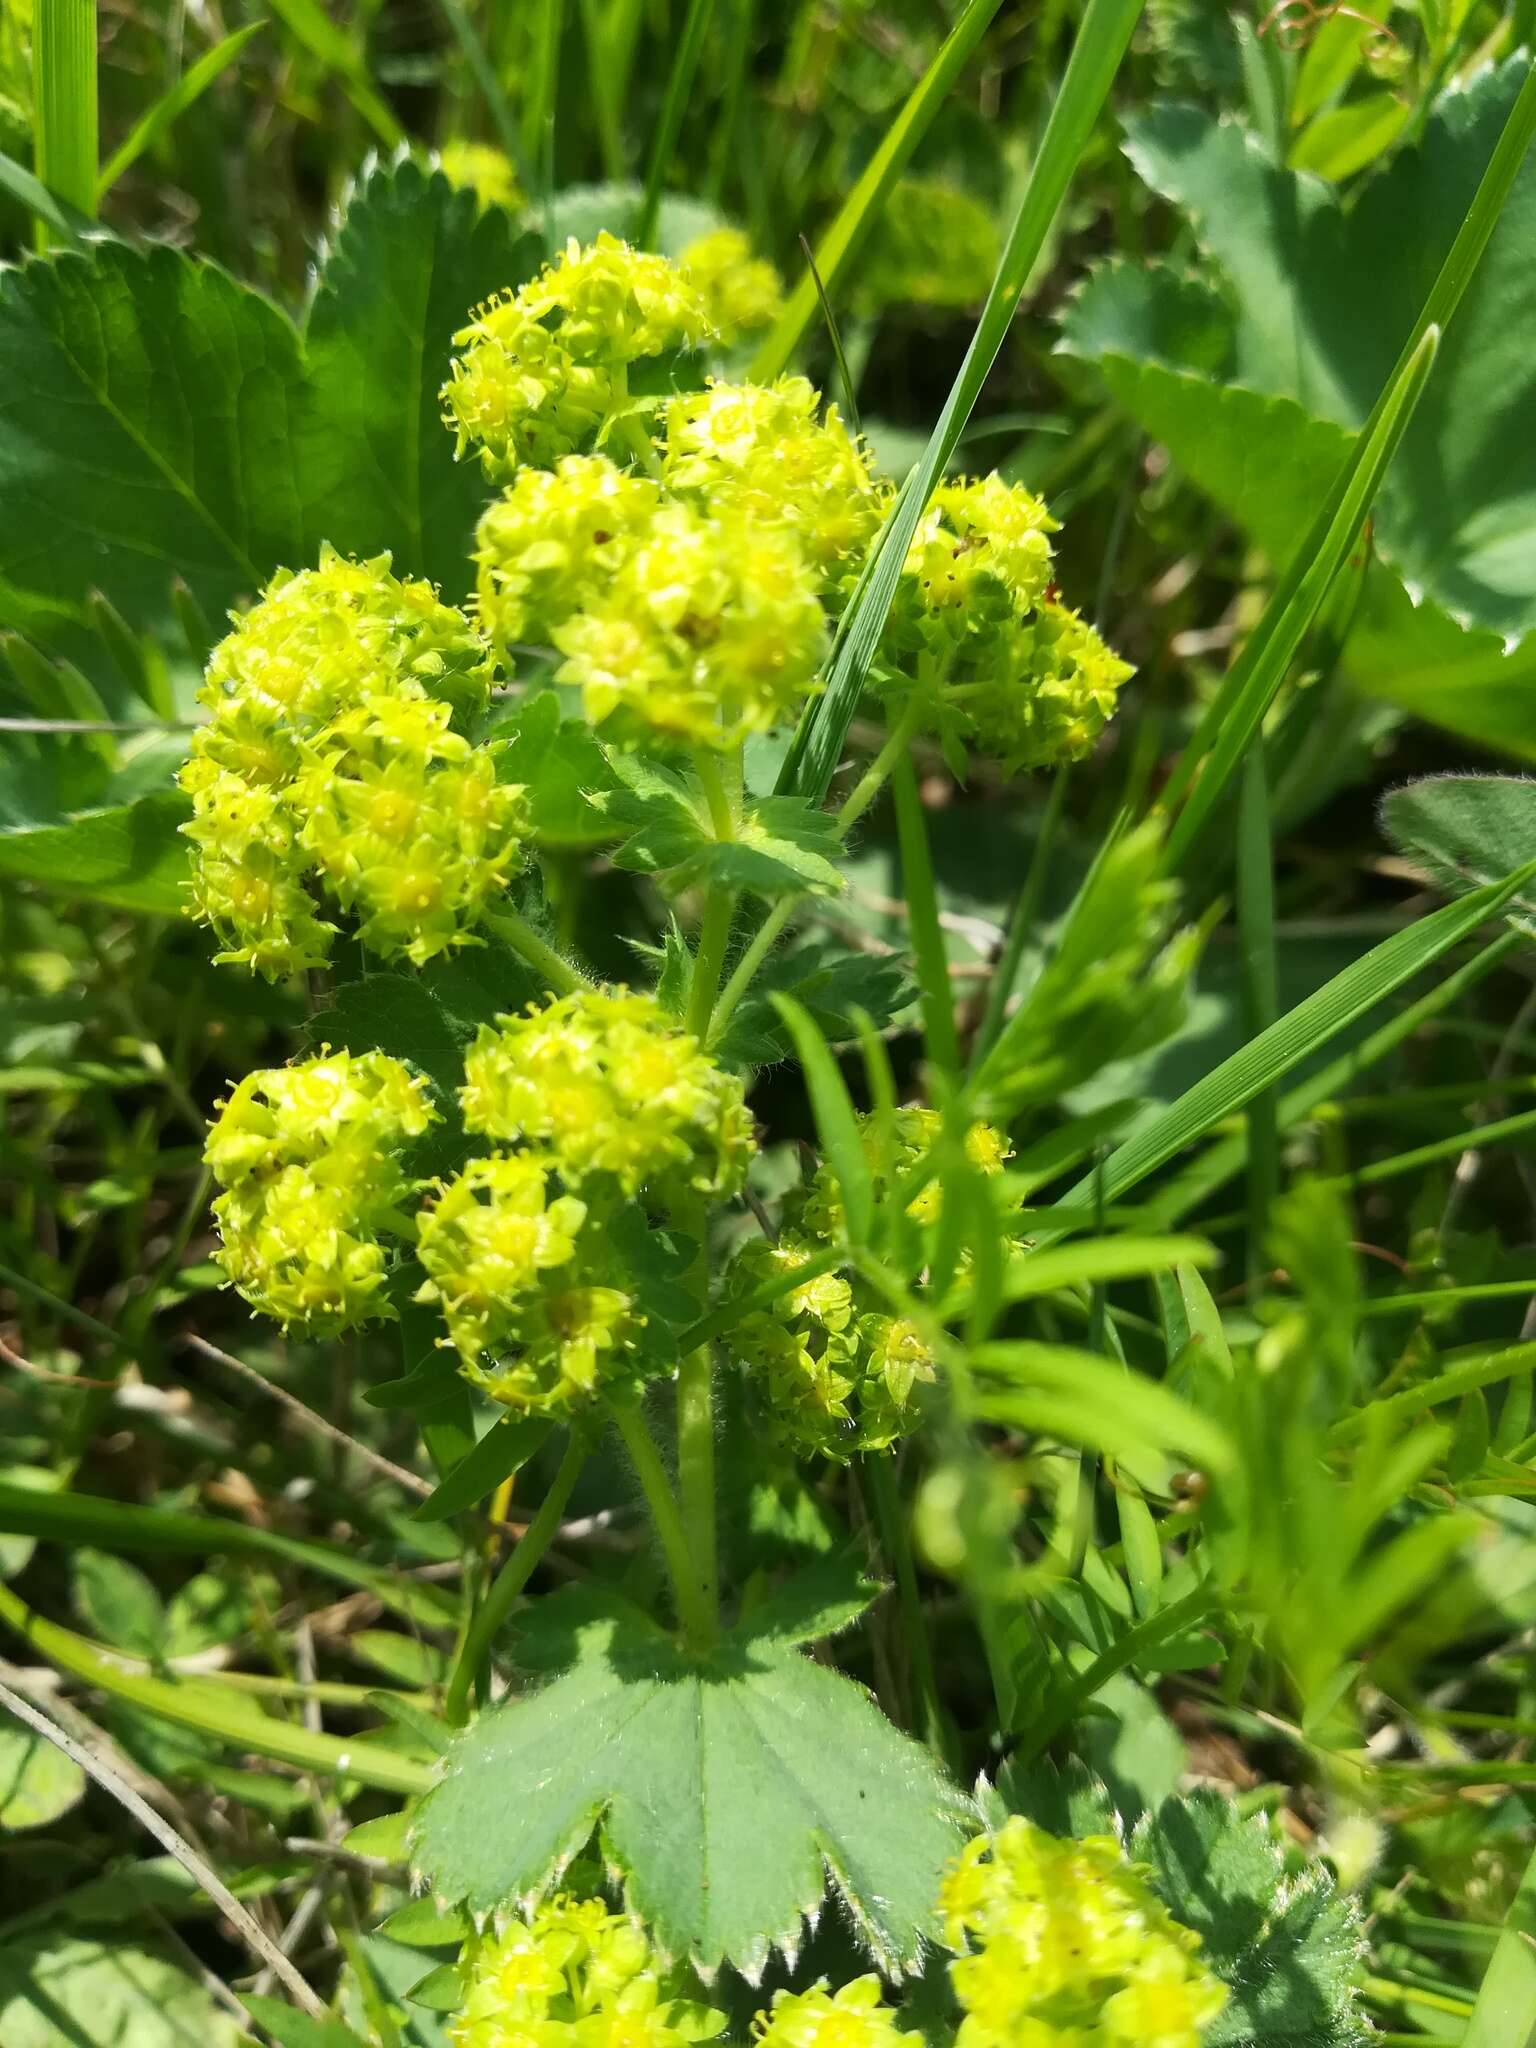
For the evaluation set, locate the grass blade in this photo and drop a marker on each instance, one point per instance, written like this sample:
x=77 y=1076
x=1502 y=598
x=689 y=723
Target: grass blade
x=1505 y=2013
x=79 y=1518
x=836 y=1125
x=1236 y=712
x=859 y=211
x=310 y=25
x=1261 y=990
x=680 y=83
x=540 y=94
x=938 y=1003
x=1258 y=1065
x=157 y=118
x=64 y=105
x=1101 y=41
x=63 y=223
x=1220 y=1161
x=484 y=74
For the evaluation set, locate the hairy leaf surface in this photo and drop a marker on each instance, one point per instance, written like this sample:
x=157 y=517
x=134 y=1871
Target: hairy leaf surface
x=729 y=1792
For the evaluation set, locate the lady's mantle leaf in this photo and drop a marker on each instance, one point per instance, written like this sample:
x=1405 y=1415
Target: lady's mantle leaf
x=1465 y=830
x=411 y=257
x=147 y=411
x=782 y=844
x=1288 y=1950
x=160 y=421
x=728 y=1791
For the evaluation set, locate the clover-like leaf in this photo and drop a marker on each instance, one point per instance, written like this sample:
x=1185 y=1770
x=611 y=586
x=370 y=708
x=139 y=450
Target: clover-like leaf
x=728 y=1791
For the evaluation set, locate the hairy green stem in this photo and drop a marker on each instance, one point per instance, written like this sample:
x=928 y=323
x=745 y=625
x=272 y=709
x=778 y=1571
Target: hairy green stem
x=720 y=908
x=696 y=1426
x=872 y=781
x=562 y=977
x=864 y=792
x=745 y=971
x=694 y=1611
x=917 y=881
x=714 y=937
x=696 y=1476
x=510 y=1581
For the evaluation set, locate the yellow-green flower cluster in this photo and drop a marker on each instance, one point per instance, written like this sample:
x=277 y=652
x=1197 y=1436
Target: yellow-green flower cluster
x=504 y=1255
x=853 y=2016
x=837 y=1374
x=576 y=1976
x=309 y=1157
x=768 y=453
x=551 y=542
x=977 y=632
x=710 y=629
x=329 y=759
x=603 y=1084
x=606 y=1102
x=740 y=290
x=1066 y=1945
x=540 y=370
x=481 y=168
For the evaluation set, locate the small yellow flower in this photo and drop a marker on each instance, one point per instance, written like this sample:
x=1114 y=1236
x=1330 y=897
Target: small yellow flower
x=1051 y=691
x=980 y=542
x=329 y=752
x=537 y=371
x=616 y=304
x=854 y=2016
x=762 y=452
x=1066 y=1942
x=575 y=1976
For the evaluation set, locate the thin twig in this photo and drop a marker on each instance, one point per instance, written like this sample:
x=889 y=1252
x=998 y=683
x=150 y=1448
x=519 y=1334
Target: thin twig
x=195 y=1866
x=311 y=1420
x=47 y=1372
